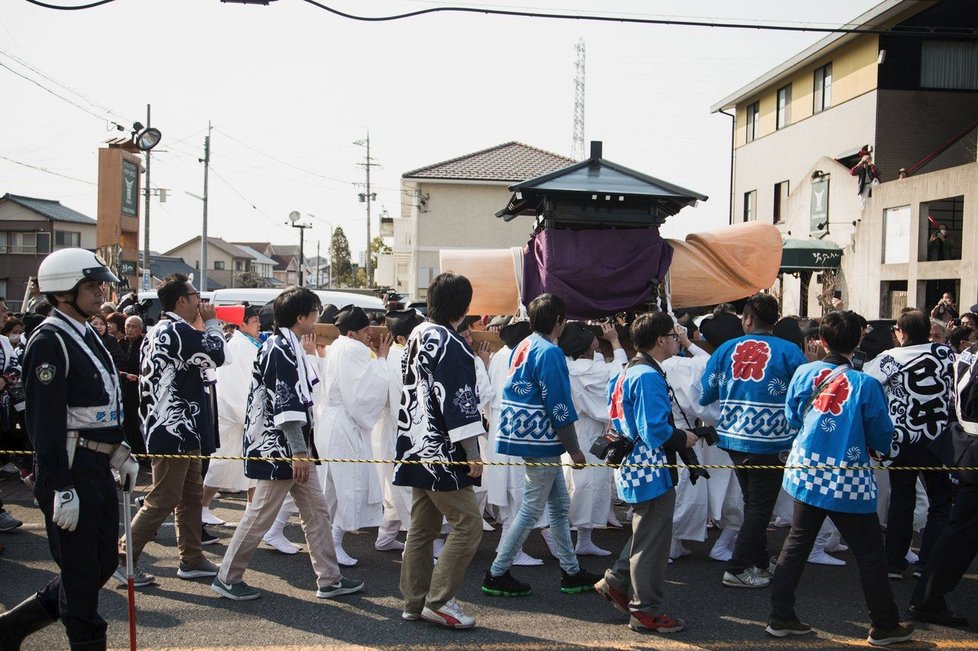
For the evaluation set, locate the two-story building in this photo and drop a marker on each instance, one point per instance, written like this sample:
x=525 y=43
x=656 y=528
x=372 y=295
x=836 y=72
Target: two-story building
x=909 y=95
x=224 y=260
x=451 y=205
x=30 y=228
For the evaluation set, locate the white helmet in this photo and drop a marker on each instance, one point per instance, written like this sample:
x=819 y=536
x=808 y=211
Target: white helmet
x=62 y=270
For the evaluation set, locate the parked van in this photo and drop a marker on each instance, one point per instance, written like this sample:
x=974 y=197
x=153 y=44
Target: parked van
x=259 y=296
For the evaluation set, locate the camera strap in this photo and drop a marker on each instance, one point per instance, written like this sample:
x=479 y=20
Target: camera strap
x=824 y=383
x=648 y=360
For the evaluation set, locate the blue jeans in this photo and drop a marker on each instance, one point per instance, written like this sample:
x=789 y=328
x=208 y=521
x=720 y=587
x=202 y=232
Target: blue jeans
x=544 y=487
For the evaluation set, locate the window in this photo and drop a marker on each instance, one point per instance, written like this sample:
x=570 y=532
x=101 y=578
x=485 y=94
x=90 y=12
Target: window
x=949 y=64
x=784 y=107
x=780 y=201
x=30 y=243
x=67 y=238
x=750 y=205
x=896 y=235
x=893 y=298
x=823 y=88
x=942 y=225
x=219 y=265
x=753 y=117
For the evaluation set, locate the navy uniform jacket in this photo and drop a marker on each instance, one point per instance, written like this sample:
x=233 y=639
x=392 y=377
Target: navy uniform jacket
x=175 y=406
x=71 y=384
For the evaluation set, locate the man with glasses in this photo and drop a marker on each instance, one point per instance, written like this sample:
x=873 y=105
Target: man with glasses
x=749 y=376
x=177 y=419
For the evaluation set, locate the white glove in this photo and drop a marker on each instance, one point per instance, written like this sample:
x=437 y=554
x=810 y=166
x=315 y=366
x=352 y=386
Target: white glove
x=66 y=509
x=127 y=467
x=128 y=474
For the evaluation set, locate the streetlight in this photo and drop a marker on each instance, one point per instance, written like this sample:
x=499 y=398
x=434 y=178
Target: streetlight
x=294 y=217
x=145 y=138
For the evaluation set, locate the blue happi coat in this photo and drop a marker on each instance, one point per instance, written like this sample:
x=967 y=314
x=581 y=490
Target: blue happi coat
x=536 y=400
x=749 y=375
x=640 y=409
x=846 y=420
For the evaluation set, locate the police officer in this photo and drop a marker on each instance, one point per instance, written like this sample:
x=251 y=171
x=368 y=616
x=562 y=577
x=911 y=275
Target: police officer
x=74 y=420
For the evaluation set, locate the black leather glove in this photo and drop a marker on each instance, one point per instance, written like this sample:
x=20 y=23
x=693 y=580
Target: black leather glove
x=690 y=459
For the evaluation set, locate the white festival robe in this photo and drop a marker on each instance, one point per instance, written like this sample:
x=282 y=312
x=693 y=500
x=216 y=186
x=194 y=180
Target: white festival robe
x=503 y=484
x=397 y=499
x=718 y=498
x=233 y=384
x=356 y=386
x=590 y=488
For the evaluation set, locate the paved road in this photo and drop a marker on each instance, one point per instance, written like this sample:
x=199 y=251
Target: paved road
x=180 y=614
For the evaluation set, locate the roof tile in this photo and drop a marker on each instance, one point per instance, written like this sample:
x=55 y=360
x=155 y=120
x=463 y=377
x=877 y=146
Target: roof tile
x=509 y=162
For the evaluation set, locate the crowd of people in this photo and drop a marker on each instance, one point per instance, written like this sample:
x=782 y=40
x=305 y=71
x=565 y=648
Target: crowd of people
x=808 y=423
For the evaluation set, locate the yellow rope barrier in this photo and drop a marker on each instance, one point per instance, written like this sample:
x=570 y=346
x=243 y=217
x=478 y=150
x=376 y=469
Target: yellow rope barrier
x=533 y=464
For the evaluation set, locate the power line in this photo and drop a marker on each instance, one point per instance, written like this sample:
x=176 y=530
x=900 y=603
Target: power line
x=243 y=198
x=61 y=97
x=280 y=161
x=69 y=7
x=44 y=169
x=30 y=67
x=906 y=31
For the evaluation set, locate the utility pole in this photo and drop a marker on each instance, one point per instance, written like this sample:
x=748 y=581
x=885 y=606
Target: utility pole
x=367 y=197
x=206 y=160
x=319 y=267
x=146 y=192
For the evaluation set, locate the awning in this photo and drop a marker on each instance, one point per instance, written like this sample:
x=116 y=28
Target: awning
x=810 y=255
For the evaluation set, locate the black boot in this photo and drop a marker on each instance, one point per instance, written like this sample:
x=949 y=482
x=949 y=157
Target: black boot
x=91 y=645
x=22 y=620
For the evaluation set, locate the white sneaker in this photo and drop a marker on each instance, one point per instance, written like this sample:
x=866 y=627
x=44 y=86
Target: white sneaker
x=438 y=544
x=524 y=559
x=781 y=523
x=281 y=543
x=206 y=517
x=911 y=557
x=745 y=579
x=486 y=526
x=450 y=615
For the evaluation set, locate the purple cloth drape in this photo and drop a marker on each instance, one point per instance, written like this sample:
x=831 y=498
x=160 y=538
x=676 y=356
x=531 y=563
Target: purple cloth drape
x=596 y=272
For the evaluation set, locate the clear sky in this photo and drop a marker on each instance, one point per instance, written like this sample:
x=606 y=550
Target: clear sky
x=291 y=82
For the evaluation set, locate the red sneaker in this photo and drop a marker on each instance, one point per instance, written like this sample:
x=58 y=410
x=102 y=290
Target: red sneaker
x=616 y=598
x=662 y=623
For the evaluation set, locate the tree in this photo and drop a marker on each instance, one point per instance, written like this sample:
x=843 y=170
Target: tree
x=339 y=255
x=377 y=246
x=248 y=279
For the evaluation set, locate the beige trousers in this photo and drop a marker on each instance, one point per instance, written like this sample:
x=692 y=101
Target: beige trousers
x=423 y=582
x=177 y=488
x=261 y=512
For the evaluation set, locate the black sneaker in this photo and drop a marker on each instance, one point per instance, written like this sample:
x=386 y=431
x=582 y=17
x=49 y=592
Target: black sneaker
x=785 y=627
x=207 y=538
x=888 y=636
x=894 y=575
x=583 y=581
x=505 y=585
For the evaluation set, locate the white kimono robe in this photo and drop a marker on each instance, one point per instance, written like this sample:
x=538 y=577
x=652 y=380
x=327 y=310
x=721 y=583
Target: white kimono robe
x=485 y=392
x=503 y=484
x=397 y=499
x=718 y=498
x=590 y=488
x=233 y=384
x=356 y=387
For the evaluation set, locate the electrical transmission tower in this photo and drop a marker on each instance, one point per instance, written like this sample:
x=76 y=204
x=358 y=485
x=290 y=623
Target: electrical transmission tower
x=577 y=149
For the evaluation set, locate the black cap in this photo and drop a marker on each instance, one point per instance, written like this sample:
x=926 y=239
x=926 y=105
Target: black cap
x=402 y=322
x=250 y=311
x=329 y=314
x=351 y=318
x=575 y=340
x=686 y=320
x=721 y=327
x=515 y=332
x=973 y=309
